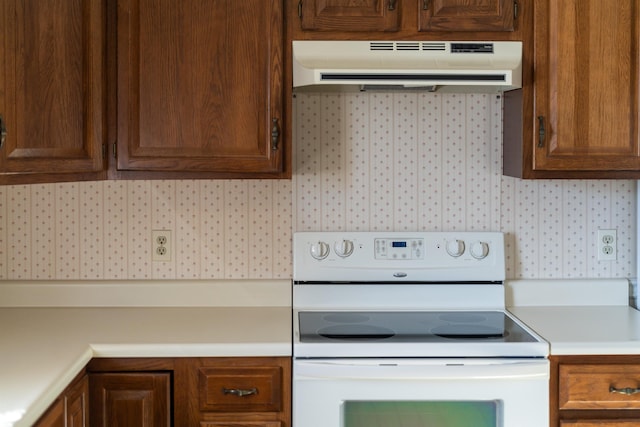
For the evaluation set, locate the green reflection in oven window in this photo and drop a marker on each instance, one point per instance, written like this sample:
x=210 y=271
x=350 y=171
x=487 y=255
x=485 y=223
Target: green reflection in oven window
x=421 y=414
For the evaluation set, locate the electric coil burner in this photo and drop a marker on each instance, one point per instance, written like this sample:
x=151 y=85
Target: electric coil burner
x=391 y=325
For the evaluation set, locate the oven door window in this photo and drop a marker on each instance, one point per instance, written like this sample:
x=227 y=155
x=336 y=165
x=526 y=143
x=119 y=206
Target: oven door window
x=421 y=413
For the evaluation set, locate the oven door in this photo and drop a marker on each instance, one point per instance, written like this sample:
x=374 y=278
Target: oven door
x=420 y=392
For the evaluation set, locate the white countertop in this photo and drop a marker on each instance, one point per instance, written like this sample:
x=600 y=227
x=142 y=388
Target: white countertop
x=585 y=329
x=43 y=348
x=578 y=317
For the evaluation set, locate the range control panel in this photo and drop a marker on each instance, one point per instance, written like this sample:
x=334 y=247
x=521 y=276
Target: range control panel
x=408 y=256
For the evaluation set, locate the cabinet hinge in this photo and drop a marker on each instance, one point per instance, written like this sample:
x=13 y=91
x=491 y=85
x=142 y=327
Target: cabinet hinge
x=115 y=150
x=515 y=10
x=300 y=9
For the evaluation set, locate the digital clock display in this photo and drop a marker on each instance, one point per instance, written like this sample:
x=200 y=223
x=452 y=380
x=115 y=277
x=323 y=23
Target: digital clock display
x=398 y=244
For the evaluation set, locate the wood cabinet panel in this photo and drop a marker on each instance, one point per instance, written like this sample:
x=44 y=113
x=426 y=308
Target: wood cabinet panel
x=54 y=417
x=599 y=423
x=580 y=116
x=467 y=15
x=587 y=85
x=258 y=391
x=245 y=389
x=349 y=15
x=599 y=387
x=241 y=424
x=52 y=90
x=71 y=408
x=582 y=391
x=130 y=399
x=200 y=86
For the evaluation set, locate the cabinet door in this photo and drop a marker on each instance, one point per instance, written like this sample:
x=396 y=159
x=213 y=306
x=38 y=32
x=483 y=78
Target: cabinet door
x=76 y=402
x=200 y=86
x=52 y=90
x=130 y=399
x=54 y=417
x=467 y=15
x=349 y=15
x=586 y=86
x=71 y=409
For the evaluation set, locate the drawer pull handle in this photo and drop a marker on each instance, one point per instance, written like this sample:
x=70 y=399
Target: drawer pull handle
x=240 y=392
x=626 y=391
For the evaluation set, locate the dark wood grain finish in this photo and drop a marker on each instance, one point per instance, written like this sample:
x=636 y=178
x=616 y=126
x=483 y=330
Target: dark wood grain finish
x=71 y=408
x=199 y=87
x=52 y=90
x=240 y=389
x=466 y=15
x=586 y=92
x=349 y=15
x=130 y=399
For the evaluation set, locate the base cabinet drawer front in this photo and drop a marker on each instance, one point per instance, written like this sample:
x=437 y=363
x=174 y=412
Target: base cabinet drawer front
x=599 y=387
x=601 y=423
x=240 y=389
x=241 y=424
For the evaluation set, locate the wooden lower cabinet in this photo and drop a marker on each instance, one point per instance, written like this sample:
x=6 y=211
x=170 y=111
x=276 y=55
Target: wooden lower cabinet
x=595 y=391
x=234 y=392
x=186 y=391
x=599 y=423
x=136 y=399
x=71 y=408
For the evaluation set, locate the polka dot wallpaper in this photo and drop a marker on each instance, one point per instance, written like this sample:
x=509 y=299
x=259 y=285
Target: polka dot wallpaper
x=433 y=162
x=362 y=161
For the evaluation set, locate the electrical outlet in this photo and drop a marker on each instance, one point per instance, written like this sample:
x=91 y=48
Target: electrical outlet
x=607 y=245
x=161 y=245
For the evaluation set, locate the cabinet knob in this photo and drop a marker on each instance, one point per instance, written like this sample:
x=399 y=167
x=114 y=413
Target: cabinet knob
x=392 y=4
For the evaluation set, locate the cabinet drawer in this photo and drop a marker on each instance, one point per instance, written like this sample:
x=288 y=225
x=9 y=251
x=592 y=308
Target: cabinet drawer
x=240 y=389
x=599 y=387
x=599 y=423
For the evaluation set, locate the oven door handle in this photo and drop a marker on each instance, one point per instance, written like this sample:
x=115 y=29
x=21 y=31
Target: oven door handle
x=441 y=369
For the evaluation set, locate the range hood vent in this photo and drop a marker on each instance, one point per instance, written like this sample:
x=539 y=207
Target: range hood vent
x=447 y=66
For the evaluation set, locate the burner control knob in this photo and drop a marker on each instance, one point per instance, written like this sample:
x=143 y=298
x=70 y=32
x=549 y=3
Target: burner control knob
x=343 y=248
x=320 y=250
x=479 y=250
x=455 y=248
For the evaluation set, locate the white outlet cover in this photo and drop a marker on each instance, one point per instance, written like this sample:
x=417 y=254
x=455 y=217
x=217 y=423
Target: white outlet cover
x=607 y=245
x=161 y=252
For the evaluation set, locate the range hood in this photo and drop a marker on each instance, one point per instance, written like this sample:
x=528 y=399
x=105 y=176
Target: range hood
x=425 y=65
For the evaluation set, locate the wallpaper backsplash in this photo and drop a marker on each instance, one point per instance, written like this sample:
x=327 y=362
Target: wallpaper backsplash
x=362 y=161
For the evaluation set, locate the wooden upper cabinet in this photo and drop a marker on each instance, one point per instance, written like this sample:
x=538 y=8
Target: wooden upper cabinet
x=467 y=15
x=586 y=86
x=52 y=84
x=349 y=15
x=200 y=87
x=386 y=15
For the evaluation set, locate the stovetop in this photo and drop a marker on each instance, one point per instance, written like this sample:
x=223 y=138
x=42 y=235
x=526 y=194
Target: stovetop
x=401 y=294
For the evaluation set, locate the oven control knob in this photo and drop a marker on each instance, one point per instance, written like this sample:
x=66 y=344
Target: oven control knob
x=320 y=250
x=343 y=248
x=479 y=250
x=455 y=248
